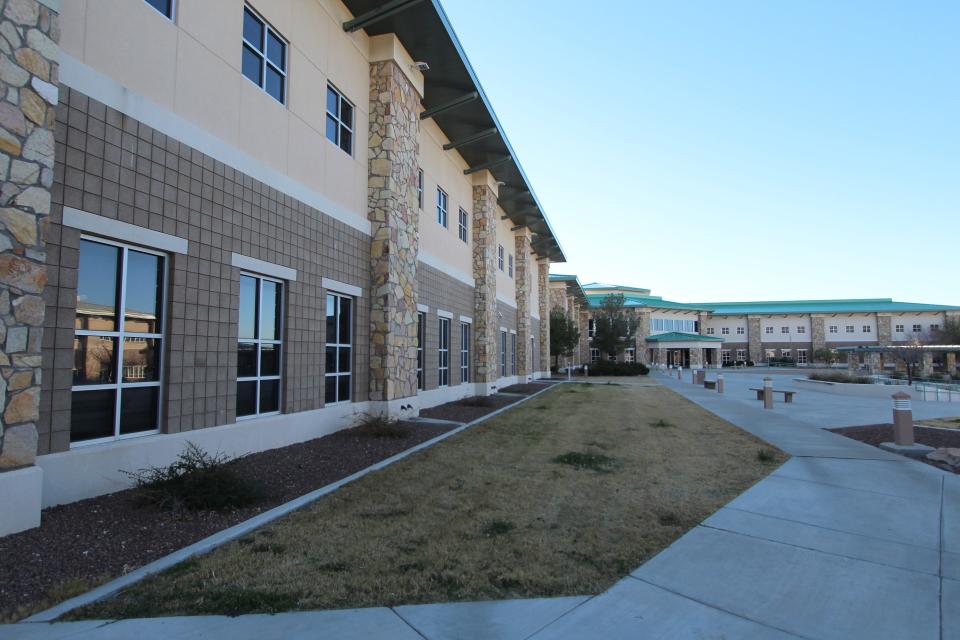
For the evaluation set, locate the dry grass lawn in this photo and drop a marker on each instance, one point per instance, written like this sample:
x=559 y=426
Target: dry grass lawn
x=563 y=495
x=943 y=423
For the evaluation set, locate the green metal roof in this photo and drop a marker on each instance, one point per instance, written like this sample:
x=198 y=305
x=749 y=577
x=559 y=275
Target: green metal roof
x=653 y=302
x=677 y=336
x=822 y=306
x=600 y=285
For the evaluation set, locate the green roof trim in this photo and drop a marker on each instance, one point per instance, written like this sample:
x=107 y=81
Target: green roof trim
x=677 y=336
x=823 y=306
x=654 y=302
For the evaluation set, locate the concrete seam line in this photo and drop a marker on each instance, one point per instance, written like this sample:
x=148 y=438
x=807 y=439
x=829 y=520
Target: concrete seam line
x=585 y=600
x=220 y=538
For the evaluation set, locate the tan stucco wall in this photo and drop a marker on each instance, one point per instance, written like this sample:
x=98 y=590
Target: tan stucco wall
x=181 y=66
x=444 y=169
x=506 y=286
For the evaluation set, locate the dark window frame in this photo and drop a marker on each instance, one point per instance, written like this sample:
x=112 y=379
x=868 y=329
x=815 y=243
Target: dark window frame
x=339 y=345
x=171 y=8
x=465 y=331
x=259 y=341
x=341 y=123
x=261 y=51
x=443 y=352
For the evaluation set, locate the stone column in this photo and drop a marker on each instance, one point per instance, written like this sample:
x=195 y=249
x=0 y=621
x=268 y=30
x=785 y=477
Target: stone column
x=927 y=369
x=29 y=68
x=702 y=321
x=818 y=335
x=755 y=338
x=543 y=273
x=392 y=202
x=643 y=330
x=951 y=362
x=884 y=329
x=696 y=357
x=485 y=327
x=853 y=359
x=522 y=279
x=584 y=322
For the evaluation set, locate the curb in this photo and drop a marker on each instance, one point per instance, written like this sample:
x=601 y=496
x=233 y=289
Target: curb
x=220 y=538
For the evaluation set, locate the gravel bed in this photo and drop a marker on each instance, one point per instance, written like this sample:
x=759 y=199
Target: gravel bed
x=874 y=434
x=526 y=389
x=86 y=543
x=464 y=411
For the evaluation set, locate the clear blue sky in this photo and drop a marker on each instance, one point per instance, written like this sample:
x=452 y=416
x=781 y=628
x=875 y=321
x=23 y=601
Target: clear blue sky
x=736 y=150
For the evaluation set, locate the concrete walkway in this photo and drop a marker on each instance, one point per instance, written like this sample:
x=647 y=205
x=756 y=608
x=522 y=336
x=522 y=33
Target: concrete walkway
x=843 y=541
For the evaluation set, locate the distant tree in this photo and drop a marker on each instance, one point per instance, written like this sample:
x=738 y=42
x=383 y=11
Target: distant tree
x=950 y=333
x=912 y=358
x=564 y=335
x=613 y=328
x=827 y=356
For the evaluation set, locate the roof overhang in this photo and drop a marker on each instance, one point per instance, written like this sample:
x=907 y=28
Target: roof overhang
x=455 y=100
x=904 y=348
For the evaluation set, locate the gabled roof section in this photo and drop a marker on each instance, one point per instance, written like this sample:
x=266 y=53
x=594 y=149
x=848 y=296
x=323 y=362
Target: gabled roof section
x=651 y=302
x=574 y=288
x=426 y=33
x=678 y=336
x=600 y=286
x=823 y=306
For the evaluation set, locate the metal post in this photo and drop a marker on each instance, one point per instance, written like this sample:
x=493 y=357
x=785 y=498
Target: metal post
x=902 y=420
x=679 y=373
x=719 y=383
x=586 y=371
x=768 y=393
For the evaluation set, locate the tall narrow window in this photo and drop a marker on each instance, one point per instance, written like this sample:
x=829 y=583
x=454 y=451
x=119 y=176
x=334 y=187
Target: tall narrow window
x=443 y=352
x=339 y=120
x=259 y=346
x=339 y=371
x=163 y=6
x=420 y=189
x=117 y=343
x=264 y=59
x=510 y=265
x=513 y=354
x=442 y=206
x=464 y=352
x=503 y=354
x=462 y=226
x=421 y=339
x=500 y=257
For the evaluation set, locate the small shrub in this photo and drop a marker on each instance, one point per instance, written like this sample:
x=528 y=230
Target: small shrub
x=618 y=369
x=380 y=427
x=497 y=528
x=766 y=455
x=840 y=377
x=661 y=424
x=197 y=481
x=478 y=401
x=591 y=461
x=668 y=519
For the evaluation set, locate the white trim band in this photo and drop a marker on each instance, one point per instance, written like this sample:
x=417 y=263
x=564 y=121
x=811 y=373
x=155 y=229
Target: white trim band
x=263 y=267
x=509 y=303
x=117 y=230
x=422 y=308
x=341 y=287
x=444 y=314
x=466 y=319
x=83 y=78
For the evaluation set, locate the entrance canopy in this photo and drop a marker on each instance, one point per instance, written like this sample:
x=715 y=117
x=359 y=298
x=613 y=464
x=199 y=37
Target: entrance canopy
x=680 y=340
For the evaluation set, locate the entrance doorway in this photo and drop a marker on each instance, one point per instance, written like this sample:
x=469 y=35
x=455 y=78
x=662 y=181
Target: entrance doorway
x=678 y=358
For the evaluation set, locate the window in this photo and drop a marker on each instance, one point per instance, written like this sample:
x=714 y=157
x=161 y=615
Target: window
x=591 y=328
x=664 y=325
x=917 y=328
x=833 y=328
x=934 y=327
x=259 y=346
x=867 y=328
x=850 y=328
x=771 y=353
x=784 y=329
x=741 y=355
x=420 y=189
x=510 y=265
x=629 y=354
x=163 y=6
x=503 y=354
x=801 y=329
x=801 y=356
x=612 y=356
x=725 y=331
x=769 y=329
x=421 y=339
x=594 y=355
x=709 y=331
x=464 y=352
x=441 y=207
x=741 y=331
x=500 y=257
x=785 y=353
x=264 y=59
x=513 y=354
x=443 y=350
x=725 y=356
x=339 y=371
x=117 y=360
x=462 y=226
x=899 y=328
x=339 y=120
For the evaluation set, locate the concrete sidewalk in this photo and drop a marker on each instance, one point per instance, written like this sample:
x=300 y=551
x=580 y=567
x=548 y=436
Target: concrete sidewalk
x=843 y=541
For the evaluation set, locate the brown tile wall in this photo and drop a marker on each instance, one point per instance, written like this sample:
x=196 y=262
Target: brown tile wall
x=112 y=165
x=439 y=291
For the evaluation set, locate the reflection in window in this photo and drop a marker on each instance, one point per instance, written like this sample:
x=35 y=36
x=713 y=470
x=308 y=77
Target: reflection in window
x=421 y=338
x=443 y=351
x=259 y=346
x=338 y=374
x=116 y=369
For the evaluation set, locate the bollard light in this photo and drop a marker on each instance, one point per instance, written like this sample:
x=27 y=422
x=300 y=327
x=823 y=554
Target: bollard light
x=719 y=383
x=902 y=420
x=768 y=393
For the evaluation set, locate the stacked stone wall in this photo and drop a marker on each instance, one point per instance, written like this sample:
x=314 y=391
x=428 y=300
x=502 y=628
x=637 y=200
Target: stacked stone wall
x=523 y=282
x=29 y=68
x=486 y=337
x=543 y=275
